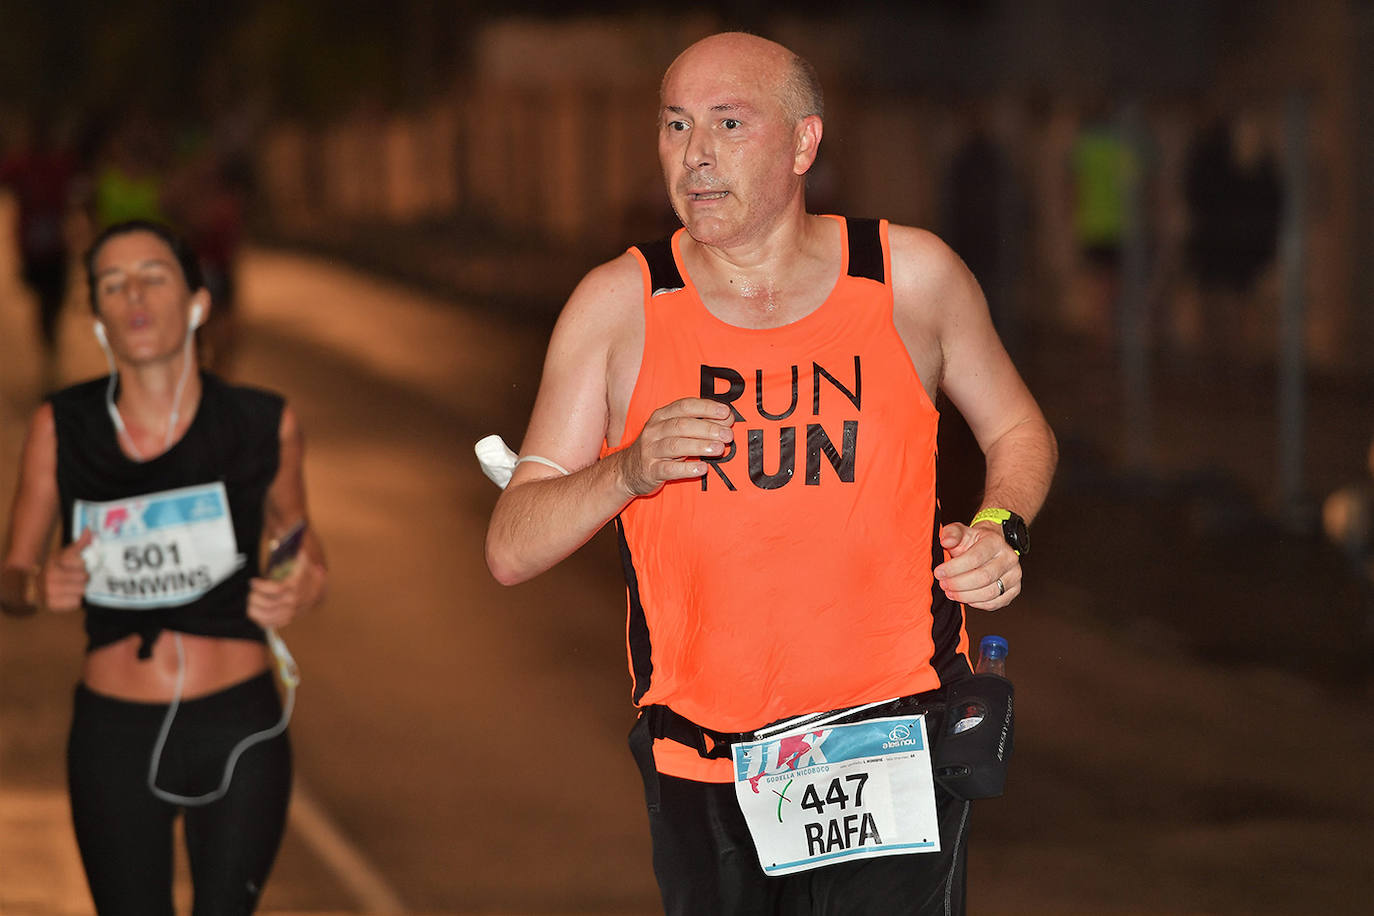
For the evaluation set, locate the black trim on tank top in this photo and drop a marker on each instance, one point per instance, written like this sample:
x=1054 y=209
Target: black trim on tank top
x=664 y=277
x=637 y=628
x=946 y=620
x=865 y=250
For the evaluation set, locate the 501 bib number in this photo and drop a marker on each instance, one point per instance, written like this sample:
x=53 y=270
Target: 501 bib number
x=160 y=549
x=150 y=557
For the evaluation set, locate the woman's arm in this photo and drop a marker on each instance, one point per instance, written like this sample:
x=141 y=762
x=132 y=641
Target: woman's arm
x=26 y=583
x=276 y=603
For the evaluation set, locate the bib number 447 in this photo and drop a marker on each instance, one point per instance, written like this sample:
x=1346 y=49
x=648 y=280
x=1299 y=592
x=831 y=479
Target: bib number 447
x=846 y=830
x=869 y=793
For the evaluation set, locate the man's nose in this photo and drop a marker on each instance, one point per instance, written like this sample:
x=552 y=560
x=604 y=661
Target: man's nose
x=700 y=152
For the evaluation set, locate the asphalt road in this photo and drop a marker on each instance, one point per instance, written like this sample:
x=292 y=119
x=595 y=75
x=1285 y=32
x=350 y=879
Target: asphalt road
x=460 y=746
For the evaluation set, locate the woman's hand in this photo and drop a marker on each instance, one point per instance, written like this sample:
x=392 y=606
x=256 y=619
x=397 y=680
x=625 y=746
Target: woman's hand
x=274 y=602
x=64 y=576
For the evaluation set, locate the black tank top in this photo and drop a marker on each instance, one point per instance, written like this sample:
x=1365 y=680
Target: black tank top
x=234 y=438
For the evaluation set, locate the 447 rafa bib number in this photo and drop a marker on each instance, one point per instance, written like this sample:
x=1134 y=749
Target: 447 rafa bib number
x=815 y=796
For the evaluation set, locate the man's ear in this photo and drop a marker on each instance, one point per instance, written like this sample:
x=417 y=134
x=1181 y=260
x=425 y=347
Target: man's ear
x=808 y=135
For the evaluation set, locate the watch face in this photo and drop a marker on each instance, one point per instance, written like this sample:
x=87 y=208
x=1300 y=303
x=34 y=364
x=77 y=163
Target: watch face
x=1014 y=528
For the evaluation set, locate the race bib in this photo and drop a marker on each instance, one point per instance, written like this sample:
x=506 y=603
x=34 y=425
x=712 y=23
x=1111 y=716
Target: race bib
x=815 y=796
x=159 y=549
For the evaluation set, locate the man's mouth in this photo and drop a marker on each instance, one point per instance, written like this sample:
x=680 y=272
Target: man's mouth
x=707 y=195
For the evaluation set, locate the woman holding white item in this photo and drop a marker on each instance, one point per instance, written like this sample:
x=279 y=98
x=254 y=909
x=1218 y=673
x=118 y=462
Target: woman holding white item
x=167 y=481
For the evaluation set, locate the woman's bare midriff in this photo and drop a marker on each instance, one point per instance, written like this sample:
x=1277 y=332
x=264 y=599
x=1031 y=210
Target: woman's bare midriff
x=212 y=664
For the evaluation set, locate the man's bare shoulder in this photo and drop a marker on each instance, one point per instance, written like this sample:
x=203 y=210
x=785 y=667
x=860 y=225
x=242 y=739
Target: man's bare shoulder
x=603 y=318
x=936 y=300
x=607 y=291
x=921 y=261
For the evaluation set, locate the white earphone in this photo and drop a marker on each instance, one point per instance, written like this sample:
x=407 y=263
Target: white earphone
x=197 y=318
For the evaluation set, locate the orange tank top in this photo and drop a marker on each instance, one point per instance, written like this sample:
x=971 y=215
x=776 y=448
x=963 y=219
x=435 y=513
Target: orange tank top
x=796 y=575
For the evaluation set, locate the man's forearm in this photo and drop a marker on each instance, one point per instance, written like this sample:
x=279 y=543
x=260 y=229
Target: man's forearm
x=1020 y=466
x=538 y=523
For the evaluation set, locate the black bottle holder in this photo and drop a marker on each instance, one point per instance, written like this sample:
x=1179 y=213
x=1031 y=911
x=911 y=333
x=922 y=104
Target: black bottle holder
x=975 y=742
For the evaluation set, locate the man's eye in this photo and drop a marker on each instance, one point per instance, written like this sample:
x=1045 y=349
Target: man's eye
x=678 y=126
x=729 y=124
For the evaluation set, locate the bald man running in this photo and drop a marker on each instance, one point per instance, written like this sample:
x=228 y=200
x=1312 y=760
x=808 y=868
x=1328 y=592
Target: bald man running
x=752 y=402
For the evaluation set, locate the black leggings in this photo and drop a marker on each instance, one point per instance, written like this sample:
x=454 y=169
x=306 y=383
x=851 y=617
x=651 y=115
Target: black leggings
x=125 y=832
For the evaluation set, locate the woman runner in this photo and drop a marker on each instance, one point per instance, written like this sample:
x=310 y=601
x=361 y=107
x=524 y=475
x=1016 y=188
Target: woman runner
x=167 y=482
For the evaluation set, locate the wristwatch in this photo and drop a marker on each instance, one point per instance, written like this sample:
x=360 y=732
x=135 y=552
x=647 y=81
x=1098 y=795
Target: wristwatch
x=1013 y=528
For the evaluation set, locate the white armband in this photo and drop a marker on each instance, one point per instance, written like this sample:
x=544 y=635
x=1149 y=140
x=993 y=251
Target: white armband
x=499 y=462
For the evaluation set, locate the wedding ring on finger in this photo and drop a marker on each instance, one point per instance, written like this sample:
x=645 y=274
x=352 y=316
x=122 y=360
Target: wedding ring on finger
x=1001 y=589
